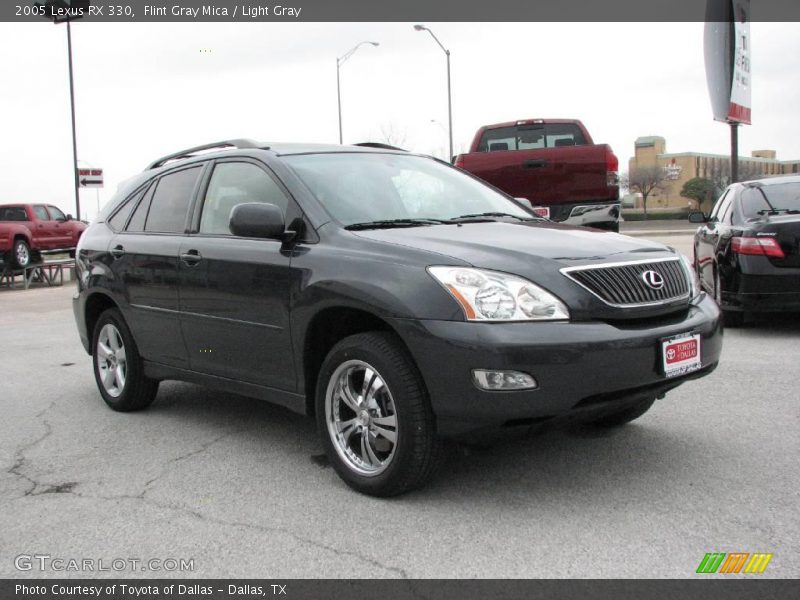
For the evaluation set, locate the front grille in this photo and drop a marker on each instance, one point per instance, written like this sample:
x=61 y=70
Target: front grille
x=623 y=284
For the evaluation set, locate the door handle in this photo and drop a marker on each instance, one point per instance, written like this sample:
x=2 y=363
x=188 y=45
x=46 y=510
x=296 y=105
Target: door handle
x=118 y=251
x=534 y=163
x=191 y=258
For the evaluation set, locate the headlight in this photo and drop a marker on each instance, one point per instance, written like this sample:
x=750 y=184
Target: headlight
x=492 y=296
x=691 y=274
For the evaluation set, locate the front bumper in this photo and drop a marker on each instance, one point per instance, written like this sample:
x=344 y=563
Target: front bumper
x=578 y=365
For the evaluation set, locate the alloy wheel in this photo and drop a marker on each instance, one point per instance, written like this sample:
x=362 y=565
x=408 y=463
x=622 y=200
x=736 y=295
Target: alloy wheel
x=361 y=418
x=111 y=361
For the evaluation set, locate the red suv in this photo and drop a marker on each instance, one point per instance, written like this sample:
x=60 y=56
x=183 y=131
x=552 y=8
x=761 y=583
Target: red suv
x=28 y=229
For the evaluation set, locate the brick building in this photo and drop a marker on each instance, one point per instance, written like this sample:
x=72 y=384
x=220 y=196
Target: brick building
x=682 y=166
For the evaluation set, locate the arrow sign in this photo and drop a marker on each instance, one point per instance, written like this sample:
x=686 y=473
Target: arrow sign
x=90 y=177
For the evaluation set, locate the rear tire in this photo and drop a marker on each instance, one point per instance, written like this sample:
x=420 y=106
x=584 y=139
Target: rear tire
x=21 y=254
x=730 y=318
x=118 y=368
x=374 y=417
x=626 y=415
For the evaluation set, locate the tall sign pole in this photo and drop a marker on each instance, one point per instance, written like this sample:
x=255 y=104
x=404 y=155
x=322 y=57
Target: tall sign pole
x=727 y=58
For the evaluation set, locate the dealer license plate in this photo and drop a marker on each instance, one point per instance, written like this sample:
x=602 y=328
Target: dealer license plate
x=680 y=354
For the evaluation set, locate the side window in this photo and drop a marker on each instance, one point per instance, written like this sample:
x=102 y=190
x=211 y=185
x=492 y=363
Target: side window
x=13 y=213
x=719 y=207
x=171 y=200
x=235 y=183
x=41 y=213
x=56 y=213
x=117 y=221
x=139 y=217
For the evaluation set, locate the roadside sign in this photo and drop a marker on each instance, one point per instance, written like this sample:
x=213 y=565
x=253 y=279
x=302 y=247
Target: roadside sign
x=90 y=177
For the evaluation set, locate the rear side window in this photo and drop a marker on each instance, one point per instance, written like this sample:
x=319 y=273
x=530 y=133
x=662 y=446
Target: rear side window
x=781 y=198
x=41 y=213
x=13 y=213
x=531 y=137
x=237 y=183
x=171 y=200
x=117 y=222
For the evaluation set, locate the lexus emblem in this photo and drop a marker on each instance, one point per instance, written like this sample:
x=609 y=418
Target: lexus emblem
x=653 y=280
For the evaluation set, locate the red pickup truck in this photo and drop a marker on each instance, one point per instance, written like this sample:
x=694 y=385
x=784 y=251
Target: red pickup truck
x=553 y=164
x=28 y=229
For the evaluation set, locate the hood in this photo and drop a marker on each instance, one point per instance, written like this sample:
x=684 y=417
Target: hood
x=521 y=247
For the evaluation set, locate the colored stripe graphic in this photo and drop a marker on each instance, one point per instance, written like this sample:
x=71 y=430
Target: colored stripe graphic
x=734 y=562
x=711 y=562
x=758 y=563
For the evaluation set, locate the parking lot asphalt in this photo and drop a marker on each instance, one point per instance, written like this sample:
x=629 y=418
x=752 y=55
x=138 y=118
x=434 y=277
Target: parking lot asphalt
x=241 y=486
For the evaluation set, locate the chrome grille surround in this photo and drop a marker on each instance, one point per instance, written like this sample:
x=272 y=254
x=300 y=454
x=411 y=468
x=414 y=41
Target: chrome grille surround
x=621 y=285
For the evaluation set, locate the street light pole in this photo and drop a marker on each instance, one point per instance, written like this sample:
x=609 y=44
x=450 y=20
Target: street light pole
x=449 y=94
x=74 y=135
x=339 y=62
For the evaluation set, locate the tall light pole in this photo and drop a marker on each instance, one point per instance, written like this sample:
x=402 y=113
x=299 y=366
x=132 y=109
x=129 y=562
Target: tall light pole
x=449 y=95
x=60 y=11
x=339 y=62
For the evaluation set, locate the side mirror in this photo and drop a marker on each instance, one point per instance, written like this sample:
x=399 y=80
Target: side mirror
x=69 y=217
x=258 y=220
x=697 y=217
x=525 y=202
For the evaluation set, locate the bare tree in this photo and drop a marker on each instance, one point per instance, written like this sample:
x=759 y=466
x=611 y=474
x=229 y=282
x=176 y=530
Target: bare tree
x=721 y=176
x=391 y=134
x=644 y=180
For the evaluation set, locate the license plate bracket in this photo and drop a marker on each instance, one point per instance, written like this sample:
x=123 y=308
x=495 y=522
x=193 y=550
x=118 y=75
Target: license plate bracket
x=680 y=354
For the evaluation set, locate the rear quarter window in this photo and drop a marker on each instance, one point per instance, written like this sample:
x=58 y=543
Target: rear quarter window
x=170 y=203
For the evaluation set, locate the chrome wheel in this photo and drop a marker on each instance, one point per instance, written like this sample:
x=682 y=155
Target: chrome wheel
x=22 y=254
x=111 y=361
x=361 y=418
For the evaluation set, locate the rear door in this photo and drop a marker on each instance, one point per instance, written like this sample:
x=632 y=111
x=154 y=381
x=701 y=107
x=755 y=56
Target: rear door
x=709 y=238
x=234 y=291
x=547 y=163
x=146 y=260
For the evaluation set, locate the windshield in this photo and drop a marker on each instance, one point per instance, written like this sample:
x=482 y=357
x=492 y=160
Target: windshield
x=770 y=199
x=365 y=187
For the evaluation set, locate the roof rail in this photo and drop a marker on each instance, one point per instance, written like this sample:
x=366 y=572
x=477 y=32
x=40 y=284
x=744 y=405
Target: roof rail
x=238 y=144
x=379 y=145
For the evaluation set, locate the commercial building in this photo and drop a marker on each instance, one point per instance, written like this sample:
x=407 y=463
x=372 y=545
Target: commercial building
x=682 y=166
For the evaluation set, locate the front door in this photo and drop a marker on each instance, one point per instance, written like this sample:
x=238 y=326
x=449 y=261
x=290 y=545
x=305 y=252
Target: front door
x=234 y=291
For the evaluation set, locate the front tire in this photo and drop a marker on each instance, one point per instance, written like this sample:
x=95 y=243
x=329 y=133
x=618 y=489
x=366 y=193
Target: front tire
x=118 y=368
x=374 y=417
x=626 y=415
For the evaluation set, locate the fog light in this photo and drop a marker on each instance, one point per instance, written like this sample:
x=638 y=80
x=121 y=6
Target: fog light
x=503 y=380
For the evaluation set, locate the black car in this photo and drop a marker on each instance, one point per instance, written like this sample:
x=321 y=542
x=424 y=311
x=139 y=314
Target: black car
x=396 y=298
x=746 y=252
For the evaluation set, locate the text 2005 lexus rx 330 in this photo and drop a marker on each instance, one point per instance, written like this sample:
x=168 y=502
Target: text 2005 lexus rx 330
x=397 y=299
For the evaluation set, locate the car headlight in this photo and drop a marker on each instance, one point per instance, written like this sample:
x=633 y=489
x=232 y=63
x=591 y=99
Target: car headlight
x=691 y=275
x=492 y=296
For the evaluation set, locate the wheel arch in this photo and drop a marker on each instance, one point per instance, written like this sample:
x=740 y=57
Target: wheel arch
x=325 y=329
x=96 y=305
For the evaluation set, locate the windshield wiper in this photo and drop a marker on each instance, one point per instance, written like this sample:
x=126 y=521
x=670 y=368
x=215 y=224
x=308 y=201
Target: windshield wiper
x=775 y=211
x=389 y=223
x=489 y=215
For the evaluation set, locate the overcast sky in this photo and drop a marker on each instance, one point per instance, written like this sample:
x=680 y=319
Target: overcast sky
x=144 y=90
